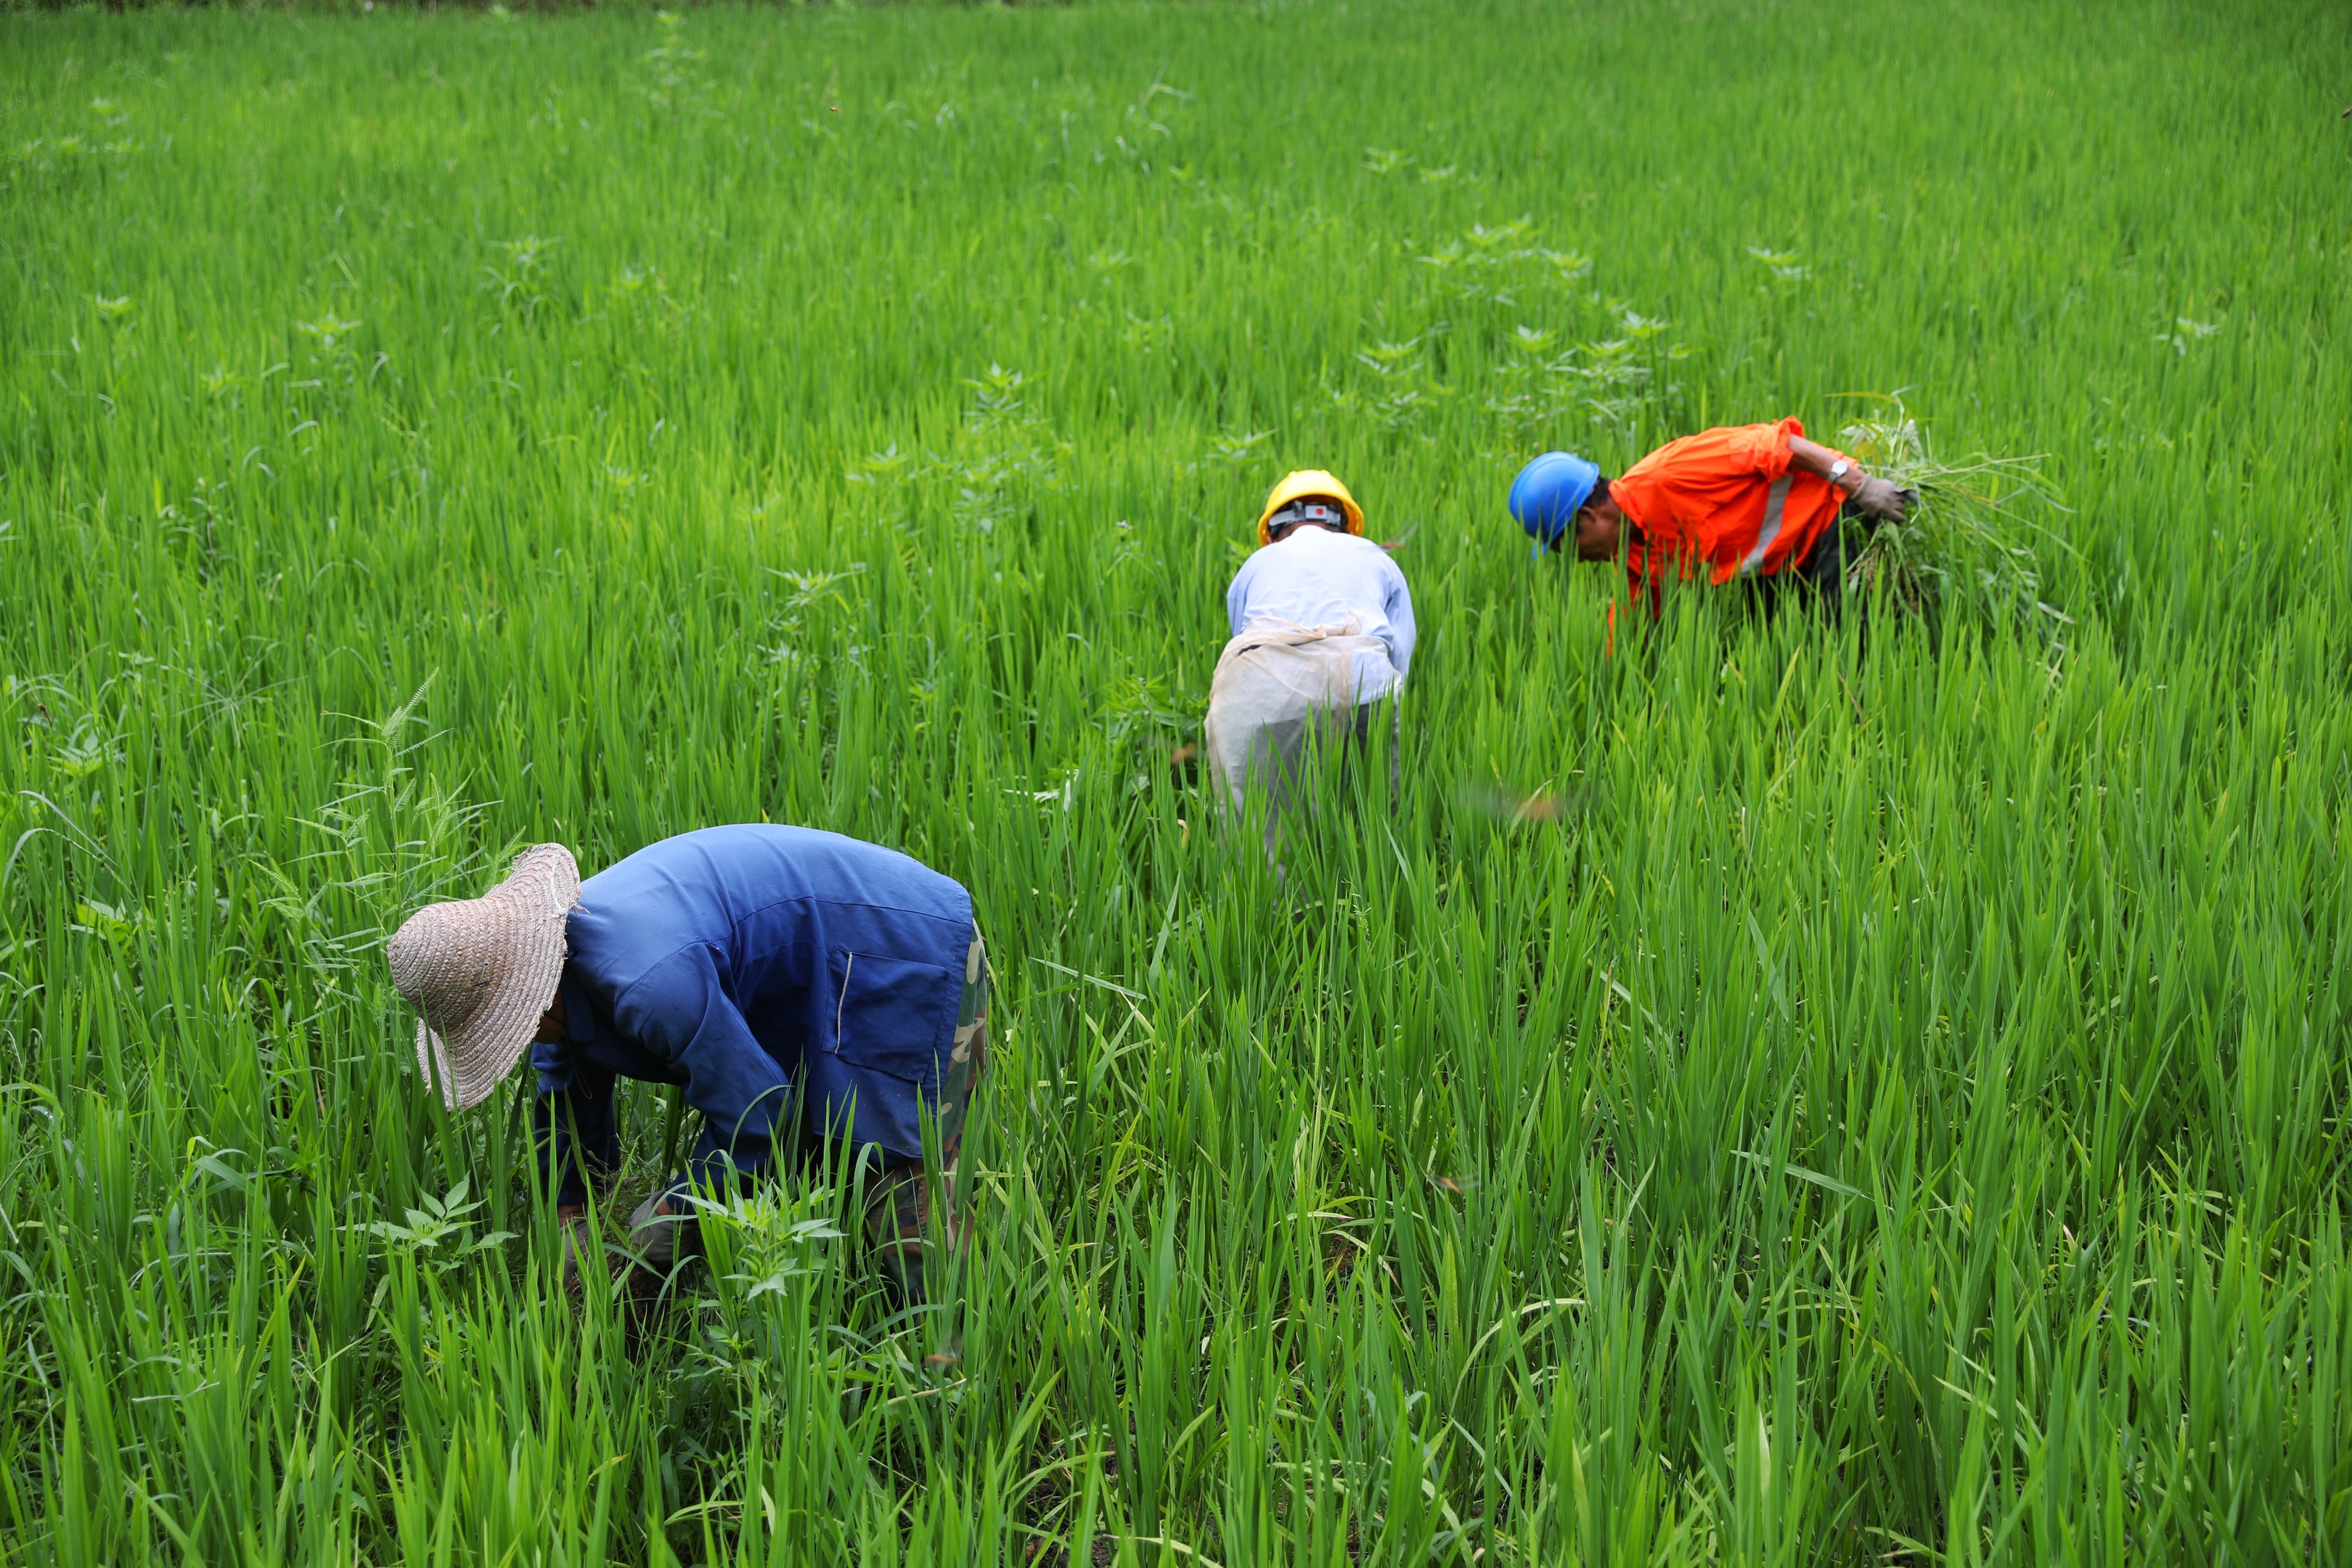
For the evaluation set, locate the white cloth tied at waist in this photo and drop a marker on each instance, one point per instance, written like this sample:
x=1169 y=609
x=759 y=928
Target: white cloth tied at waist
x=1275 y=672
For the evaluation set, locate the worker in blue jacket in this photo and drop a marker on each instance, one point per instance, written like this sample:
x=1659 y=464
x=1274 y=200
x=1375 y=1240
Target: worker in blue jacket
x=794 y=983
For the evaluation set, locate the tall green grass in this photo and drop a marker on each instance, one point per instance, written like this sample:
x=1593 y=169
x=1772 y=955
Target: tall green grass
x=1892 y=1109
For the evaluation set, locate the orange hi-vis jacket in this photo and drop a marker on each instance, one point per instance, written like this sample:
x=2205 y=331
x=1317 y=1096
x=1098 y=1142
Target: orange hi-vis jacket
x=1725 y=500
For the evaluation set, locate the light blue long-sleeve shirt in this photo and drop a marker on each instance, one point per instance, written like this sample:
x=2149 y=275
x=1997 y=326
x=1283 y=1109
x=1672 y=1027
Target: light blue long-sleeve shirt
x=1315 y=577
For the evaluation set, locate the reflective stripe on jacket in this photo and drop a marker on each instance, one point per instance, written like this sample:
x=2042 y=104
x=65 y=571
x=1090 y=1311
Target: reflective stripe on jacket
x=1724 y=501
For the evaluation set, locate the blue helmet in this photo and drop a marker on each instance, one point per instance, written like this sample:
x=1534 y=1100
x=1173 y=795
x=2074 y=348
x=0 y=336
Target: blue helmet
x=1547 y=494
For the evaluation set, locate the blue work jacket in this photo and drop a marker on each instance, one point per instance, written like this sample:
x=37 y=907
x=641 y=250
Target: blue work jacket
x=772 y=971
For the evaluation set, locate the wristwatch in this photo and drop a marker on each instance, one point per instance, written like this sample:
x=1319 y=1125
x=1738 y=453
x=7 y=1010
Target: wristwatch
x=1839 y=469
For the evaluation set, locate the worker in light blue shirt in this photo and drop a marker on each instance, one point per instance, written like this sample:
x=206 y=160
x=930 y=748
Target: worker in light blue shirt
x=802 y=988
x=1313 y=576
x=1322 y=636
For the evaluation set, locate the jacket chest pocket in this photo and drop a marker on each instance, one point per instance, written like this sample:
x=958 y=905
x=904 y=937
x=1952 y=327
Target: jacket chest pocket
x=892 y=1015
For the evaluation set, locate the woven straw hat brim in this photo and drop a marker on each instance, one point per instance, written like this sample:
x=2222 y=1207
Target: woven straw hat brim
x=479 y=971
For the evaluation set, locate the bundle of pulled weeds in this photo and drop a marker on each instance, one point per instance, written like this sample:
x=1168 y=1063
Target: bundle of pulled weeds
x=1974 y=537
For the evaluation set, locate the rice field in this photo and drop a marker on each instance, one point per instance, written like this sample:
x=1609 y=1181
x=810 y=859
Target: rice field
x=1768 y=1092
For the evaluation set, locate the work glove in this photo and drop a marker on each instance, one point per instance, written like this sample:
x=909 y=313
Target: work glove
x=1884 y=500
x=665 y=1229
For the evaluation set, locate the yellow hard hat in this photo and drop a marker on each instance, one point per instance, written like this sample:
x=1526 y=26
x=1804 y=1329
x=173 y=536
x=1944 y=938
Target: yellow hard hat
x=1308 y=482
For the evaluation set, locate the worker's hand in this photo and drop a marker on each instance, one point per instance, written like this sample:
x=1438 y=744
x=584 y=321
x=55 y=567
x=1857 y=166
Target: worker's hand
x=1883 y=499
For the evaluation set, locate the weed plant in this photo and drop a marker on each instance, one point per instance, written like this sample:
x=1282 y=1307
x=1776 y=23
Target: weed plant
x=1887 y=1104
x=1973 y=540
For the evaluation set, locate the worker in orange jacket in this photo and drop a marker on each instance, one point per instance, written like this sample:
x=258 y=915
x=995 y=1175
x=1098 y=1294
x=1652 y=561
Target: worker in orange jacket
x=1757 y=502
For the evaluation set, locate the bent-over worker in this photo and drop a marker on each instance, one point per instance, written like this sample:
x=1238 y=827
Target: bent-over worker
x=788 y=979
x=1757 y=502
x=1322 y=635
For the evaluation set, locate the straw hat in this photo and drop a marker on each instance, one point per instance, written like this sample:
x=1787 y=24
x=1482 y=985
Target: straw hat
x=479 y=971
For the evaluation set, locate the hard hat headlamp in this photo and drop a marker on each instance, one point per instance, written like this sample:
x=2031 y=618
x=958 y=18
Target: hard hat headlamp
x=1308 y=509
